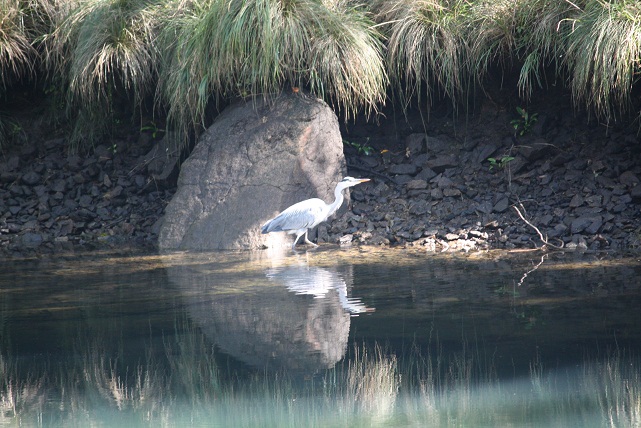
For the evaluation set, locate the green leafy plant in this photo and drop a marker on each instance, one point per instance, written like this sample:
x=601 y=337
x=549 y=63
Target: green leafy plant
x=153 y=128
x=523 y=125
x=11 y=131
x=499 y=163
x=362 y=149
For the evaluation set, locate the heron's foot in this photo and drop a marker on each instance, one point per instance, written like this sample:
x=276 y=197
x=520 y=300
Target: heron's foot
x=307 y=241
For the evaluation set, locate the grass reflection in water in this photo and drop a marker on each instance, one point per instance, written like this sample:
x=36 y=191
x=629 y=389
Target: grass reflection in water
x=175 y=341
x=372 y=387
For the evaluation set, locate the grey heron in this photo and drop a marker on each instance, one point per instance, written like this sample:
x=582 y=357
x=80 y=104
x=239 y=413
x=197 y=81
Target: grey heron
x=307 y=214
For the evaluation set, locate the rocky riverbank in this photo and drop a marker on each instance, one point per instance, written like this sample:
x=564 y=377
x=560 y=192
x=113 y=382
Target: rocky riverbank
x=576 y=185
x=455 y=184
x=50 y=201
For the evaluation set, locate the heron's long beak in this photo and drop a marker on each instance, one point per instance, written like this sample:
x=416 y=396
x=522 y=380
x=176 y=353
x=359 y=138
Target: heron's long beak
x=363 y=180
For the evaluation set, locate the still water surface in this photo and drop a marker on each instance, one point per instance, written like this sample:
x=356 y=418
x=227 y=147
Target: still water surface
x=332 y=337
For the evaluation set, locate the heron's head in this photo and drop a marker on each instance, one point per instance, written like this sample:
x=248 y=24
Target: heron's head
x=350 y=181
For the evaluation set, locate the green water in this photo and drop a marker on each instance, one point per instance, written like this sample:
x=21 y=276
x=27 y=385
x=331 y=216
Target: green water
x=331 y=337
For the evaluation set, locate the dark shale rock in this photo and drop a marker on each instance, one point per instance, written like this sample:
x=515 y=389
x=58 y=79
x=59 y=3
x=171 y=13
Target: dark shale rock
x=501 y=205
x=595 y=226
x=426 y=174
x=162 y=160
x=577 y=201
x=441 y=163
x=482 y=152
x=420 y=160
x=415 y=143
x=11 y=164
x=442 y=182
x=536 y=149
x=85 y=201
x=31 y=239
x=628 y=178
x=451 y=192
x=416 y=185
x=59 y=185
x=31 y=178
x=439 y=144
x=403 y=169
x=585 y=223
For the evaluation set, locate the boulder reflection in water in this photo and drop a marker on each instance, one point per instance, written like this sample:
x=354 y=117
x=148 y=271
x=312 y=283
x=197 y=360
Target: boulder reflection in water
x=288 y=317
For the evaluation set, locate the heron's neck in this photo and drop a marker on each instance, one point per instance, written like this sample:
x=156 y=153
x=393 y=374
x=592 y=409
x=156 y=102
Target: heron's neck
x=338 y=200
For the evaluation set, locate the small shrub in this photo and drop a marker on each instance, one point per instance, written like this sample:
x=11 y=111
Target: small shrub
x=499 y=163
x=362 y=149
x=523 y=125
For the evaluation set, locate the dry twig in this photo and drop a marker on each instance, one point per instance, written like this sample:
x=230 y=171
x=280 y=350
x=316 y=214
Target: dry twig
x=541 y=236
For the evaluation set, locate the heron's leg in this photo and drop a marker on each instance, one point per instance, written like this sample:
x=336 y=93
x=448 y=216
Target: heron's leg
x=296 y=240
x=307 y=241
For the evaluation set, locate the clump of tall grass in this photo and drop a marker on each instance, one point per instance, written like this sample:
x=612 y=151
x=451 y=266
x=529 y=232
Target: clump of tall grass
x=522 y=33
x=451 y=46
x=604 y=55
x=192 y=54
x=20 y=25
x=595 y=45
x=103 y=50
x=427 y=48
x=540 y=43
x=221 y=49
x=17 y=53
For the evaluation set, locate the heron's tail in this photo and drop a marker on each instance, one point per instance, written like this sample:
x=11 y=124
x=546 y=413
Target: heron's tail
x=270 y=226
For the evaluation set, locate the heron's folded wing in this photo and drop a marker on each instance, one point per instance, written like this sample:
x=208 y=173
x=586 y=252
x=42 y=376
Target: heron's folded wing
x=303 y=215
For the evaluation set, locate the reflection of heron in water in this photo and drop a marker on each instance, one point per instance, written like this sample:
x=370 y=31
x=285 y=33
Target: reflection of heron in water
x=307 y=214
x=316 y=282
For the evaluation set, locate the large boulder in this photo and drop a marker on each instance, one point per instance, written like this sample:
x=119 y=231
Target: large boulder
x=258 y=158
